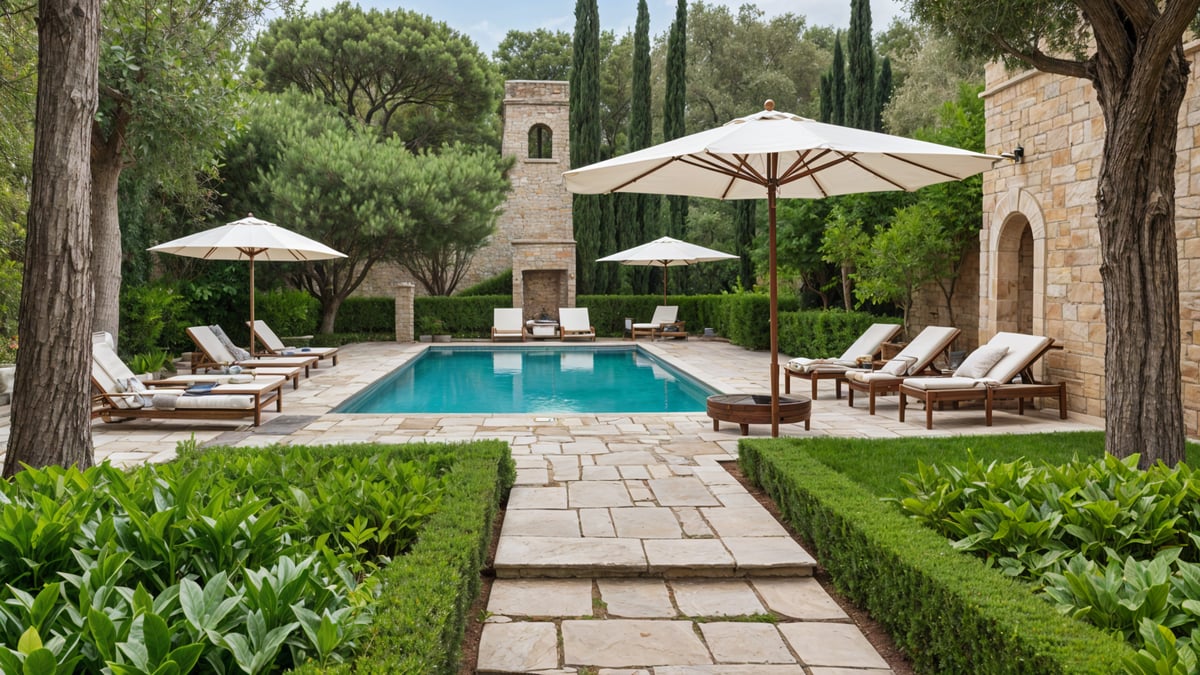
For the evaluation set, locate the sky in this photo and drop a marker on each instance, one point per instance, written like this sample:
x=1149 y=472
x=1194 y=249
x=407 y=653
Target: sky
x=487 y=21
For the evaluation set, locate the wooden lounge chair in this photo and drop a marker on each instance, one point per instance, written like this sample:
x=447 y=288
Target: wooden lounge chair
x=574 y=324
x=120 y=396
x=214 y=353
x=276 y=347
x=507 y=323
x=915 y=359
x=815 y=370
x=664 y=323
x=988 y=374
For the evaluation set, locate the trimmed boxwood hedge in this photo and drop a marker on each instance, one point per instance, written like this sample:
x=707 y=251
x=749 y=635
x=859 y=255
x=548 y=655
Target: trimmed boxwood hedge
x=946 y=610
x=421 y=618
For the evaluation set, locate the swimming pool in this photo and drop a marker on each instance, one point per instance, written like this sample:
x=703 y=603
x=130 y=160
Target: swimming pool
x=594 y=379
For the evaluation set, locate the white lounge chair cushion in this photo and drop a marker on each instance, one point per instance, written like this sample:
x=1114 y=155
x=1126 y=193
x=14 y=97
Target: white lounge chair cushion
x=898 y=366
x=946 y=382
x=177 y=401
x=980 y=361
x=1021 y=351
x=870 y=341
x=872 y=376
x=803 y=365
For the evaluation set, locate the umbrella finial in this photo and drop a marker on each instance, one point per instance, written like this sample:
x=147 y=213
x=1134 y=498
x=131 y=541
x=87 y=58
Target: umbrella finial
x=769 y=105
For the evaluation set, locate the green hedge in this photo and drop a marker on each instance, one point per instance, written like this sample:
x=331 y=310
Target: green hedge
x=501 y=284
x=947 y=611
x=366 y=315
x=421 y=617
x=823 y=333
x=459 y=316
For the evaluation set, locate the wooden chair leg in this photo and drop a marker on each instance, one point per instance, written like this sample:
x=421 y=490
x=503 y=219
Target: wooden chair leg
x=928 y=414
x=903 y=404
x=815 y=381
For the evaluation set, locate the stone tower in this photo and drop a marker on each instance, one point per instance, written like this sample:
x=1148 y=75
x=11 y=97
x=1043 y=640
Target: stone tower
x=534 y=234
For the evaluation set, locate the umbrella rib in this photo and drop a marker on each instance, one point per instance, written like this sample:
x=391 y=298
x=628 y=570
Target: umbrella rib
x=922 y=166
x=642 y=175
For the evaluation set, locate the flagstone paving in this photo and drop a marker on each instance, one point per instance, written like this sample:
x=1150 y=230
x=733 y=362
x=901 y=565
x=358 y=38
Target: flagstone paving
x=626 y=548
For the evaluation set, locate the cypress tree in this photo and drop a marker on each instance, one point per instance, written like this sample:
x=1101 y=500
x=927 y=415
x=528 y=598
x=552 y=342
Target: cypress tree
x=744 y=220
x=883 y=91
x=585 y=138
x=642 y=225
x=861 y=102
x=837 y=89
x=826 y=97
x=674 y=105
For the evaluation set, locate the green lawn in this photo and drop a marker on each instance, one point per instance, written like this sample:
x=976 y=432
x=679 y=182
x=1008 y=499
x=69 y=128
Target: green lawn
x=879 y=463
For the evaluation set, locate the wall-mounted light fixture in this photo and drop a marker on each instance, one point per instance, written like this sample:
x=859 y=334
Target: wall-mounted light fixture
x=1017 y=155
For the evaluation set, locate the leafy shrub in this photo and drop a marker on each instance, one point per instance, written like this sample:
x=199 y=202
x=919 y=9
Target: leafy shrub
x=288 y=312
x=1106 y=542
x=153 y=361
x=950 y=613
x=339 y=339
x=11 y=273
x=240 y=560
x=154 y=317
x=366 y=315
x=501 y=284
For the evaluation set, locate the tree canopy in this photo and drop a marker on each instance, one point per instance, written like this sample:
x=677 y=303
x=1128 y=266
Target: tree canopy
x=534 y=55
x=397 y=71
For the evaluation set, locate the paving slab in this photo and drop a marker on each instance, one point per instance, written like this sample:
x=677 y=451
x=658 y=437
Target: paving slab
x=597 y=494
x=636 y=598
x=541 y=597
x=568 y=556
x=623 y=643
x=521 y=497
x=739 y=642
x=708 y=598
x=682 y=492
x=769 y=555
x=688 y=557
x=743 y=521
x=596 y=523
x=798 y=598
x=654 y=522
x=517 y=647
x=540 y=523
x=840 y=645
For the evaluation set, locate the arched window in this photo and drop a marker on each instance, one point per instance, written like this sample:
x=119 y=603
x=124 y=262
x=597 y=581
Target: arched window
x=541 y=144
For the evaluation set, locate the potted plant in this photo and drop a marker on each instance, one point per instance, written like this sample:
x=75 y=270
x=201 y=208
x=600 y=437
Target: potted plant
x=150 y=365
x=425 y=327
x=438 y=327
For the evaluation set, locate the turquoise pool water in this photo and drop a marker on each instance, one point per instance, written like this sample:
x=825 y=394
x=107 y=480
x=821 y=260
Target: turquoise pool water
x=601 y=379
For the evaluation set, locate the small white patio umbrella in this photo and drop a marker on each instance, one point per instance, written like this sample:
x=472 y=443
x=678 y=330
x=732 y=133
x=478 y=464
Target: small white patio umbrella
x=773 y=154
x=666 y=252
x=249 y=239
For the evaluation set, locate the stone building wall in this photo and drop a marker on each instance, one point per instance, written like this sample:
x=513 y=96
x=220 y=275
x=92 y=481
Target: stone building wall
x=929 y=306
x=538 y=207
x=1040 y=247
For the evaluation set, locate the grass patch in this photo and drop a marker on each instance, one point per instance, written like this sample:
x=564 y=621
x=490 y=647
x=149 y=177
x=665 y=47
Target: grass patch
x=878 y=463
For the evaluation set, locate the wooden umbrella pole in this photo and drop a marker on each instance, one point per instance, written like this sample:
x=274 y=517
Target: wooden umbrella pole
x=772 y=184
x=665 y=268
x=252 y=352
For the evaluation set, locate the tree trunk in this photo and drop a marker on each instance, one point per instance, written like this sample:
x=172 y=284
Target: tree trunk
x=1136 y=215
x=106 y=233
x=50 y=411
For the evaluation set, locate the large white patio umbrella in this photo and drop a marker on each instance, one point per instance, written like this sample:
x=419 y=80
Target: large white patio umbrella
x=249 y=239
x=773 y=154
x=666 y=252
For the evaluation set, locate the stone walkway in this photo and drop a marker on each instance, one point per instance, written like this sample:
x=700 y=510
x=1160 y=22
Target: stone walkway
x=626 y=548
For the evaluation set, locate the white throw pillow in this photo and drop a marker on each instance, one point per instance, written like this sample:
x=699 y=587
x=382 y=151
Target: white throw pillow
x=898 y=366
x=981 y=361
x=133 y=385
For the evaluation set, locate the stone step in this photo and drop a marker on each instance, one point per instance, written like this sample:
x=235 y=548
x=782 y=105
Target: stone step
x=578 y=557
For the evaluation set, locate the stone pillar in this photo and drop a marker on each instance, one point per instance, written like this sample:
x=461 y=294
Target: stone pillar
x=405 y=292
